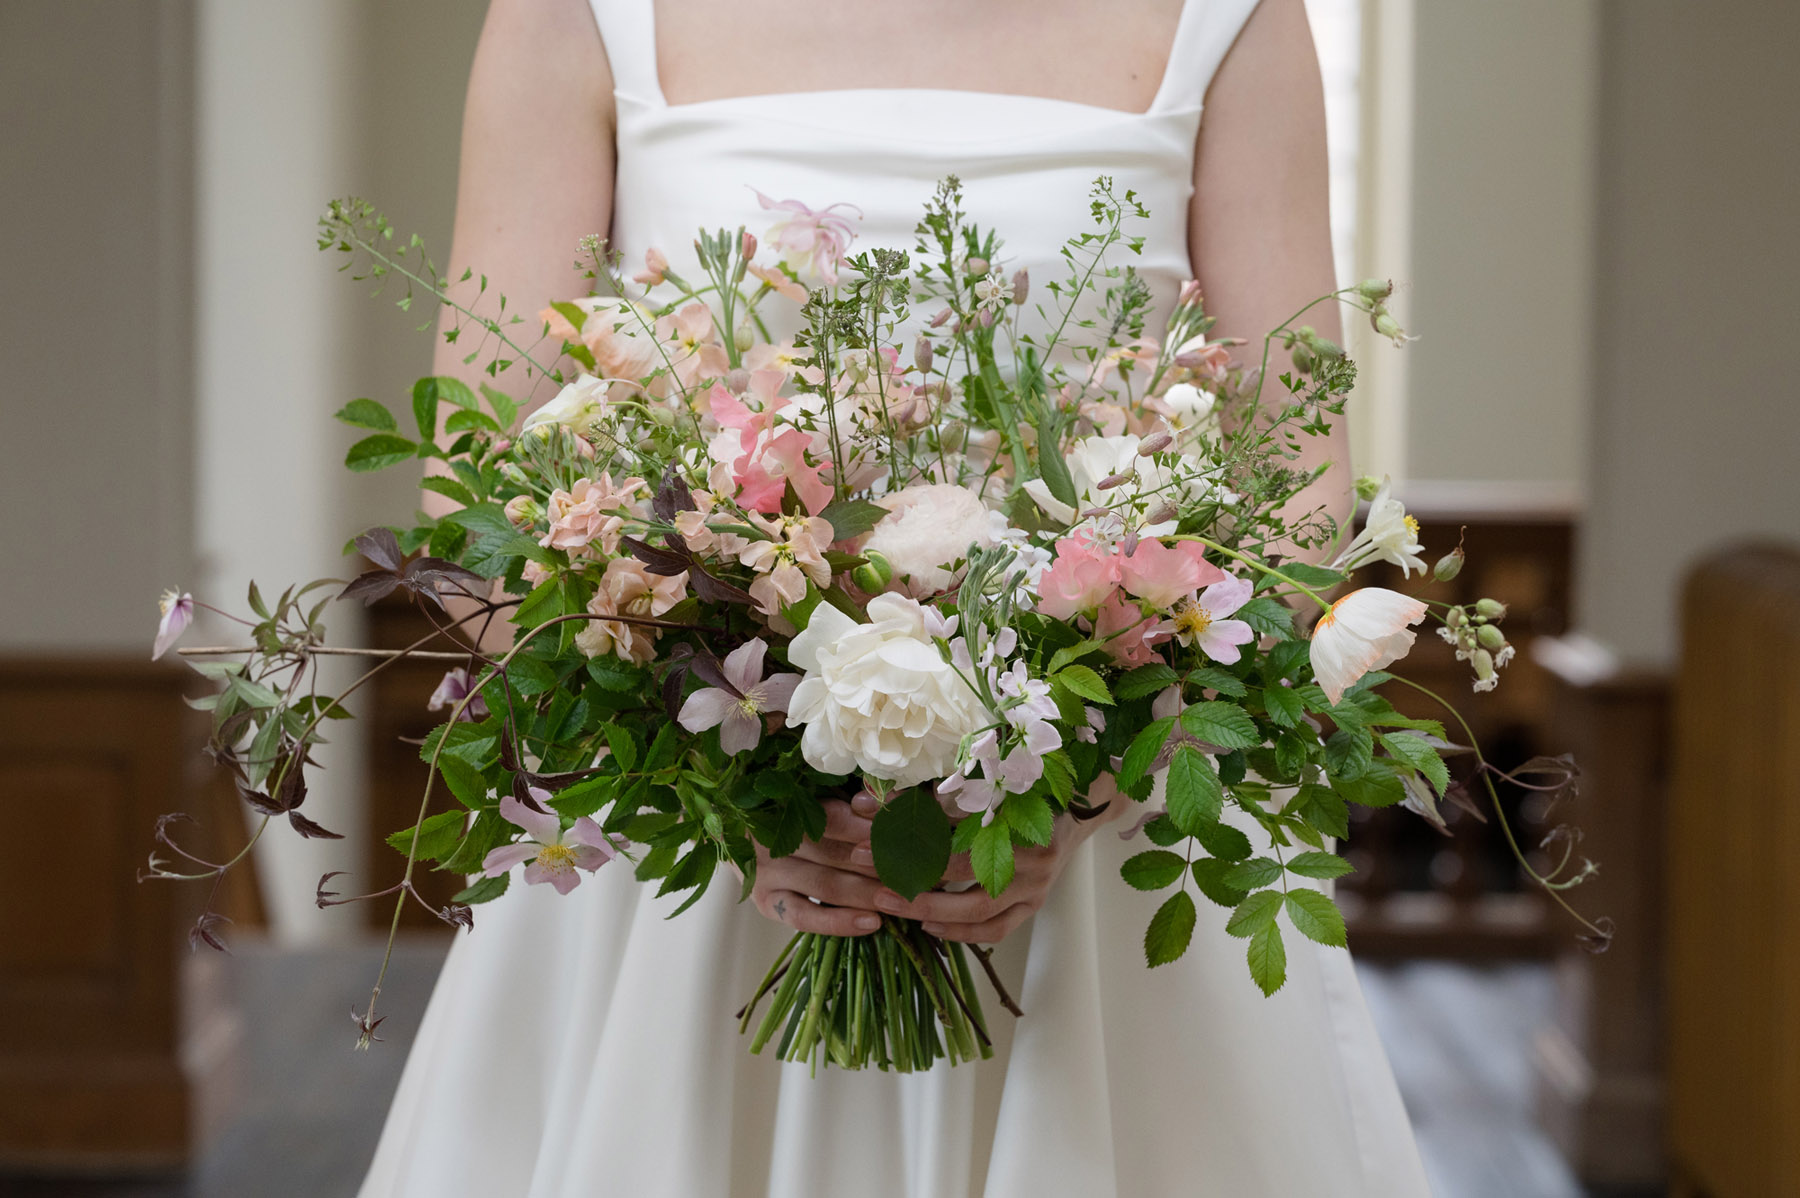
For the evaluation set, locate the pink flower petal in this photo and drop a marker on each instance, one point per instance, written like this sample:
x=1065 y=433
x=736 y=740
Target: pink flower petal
x=744 y=664
x=499 y=860
x=588 y=834
x=564 y=880
x=705 y=709
x=542 y=826
x=777 y=690
x=740 y=731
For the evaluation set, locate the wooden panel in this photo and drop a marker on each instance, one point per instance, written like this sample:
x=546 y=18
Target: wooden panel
x=1733 y=841
x=91 y=1035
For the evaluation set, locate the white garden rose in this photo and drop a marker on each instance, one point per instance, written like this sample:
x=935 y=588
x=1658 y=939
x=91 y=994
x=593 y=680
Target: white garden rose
x=878 y=697
x=930 y=525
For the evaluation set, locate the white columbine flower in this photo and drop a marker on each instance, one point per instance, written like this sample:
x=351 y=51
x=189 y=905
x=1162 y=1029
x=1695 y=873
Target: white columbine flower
x=879 y=697
x=1389 y=535
x=576 y=407
x=1365 y=630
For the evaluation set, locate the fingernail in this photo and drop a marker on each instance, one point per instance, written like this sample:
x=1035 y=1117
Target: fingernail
x=861 y=856
x=890 y=902
x=865 y=805
x=866 y=923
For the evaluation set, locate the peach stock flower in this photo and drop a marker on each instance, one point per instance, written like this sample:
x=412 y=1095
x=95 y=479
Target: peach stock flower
x=628 y=589
x=794 y=553
x=593 y=511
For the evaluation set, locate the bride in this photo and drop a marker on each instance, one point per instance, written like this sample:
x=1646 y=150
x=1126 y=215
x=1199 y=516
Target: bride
x=584 y=1045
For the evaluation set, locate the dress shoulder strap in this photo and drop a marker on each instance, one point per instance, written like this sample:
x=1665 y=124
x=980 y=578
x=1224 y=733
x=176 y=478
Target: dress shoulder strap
x=628 y=31
x=1203 y=36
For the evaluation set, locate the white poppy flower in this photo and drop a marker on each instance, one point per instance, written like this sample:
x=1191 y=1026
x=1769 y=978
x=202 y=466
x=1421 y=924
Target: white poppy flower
x=1365 y=630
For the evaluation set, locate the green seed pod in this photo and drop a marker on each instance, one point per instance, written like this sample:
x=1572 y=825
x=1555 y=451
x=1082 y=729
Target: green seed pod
x=1448 y=566
x=1491 y=609
x=1484 y=664
x=1491 y=637
x=1456 y=617
x=1375 y=290
x=874 y=574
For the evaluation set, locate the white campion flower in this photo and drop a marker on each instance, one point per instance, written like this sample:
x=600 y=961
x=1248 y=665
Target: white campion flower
x=879 y=697
x=928 y=527
x=1388 y=535
x=1149 y=484
x=1365 y=630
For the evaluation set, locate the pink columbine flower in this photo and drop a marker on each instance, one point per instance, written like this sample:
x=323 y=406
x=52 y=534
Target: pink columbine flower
x=177 y=614
x=1201 y=620
x=811 y=241
x=1083 y=575
x=739 y=716
x=1160 y=576
x=1365 y=630
x=454 y=687
x=554 y=854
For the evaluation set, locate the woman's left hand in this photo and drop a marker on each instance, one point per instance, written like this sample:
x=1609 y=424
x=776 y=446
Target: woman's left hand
x=975 y=917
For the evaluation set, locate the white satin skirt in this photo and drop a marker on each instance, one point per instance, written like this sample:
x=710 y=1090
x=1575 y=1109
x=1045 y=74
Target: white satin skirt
x=585 y=1045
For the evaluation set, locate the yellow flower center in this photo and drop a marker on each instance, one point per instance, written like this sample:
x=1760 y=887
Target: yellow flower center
x=557 y=858
x=1193 y=621
x=1412 y=526
x=750 y=703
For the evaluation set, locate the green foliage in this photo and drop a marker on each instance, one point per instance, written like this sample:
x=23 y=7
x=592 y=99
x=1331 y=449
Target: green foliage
x=910 y=837
x=1153 y=869
x=1171 y=930
x=437 y=836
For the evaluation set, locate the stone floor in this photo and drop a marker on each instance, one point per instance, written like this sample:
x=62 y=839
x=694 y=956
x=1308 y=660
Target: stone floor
x=1457 y=1036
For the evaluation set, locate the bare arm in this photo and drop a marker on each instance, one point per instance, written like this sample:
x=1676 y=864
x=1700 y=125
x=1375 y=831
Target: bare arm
x=1259 y=229
x=536 y=176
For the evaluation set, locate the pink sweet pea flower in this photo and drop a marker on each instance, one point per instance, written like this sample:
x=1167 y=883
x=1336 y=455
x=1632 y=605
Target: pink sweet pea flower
x=451 y=691
x=812 y=242
x=1365 y=630
x=1083 y=575
x=766 y=469
x=1201 y=621
x=738 y=713
x=1160 y=575
x=177 y=614
x=554 y=854
x=1128 y=632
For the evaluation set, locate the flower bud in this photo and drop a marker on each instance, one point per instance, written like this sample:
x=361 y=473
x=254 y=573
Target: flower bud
x=1163 y=514
x=1189 y=295
x=1388 y=327
x=1375 y=290
x=1483 y=661
x=1448 y=566
x=985 y=318
x=1115 y=480
x=942 y=318
x=747 y=246
x=976 y=266
x=922 y=354
x=874 y=574
x=522 y=510
x=744 y=337
x=1490 y=609
x=1130 y=544
x=1325 y=348
x=1304 y=360
x=1021 y=286
x=1456 y=617
x=1155 y=443
x=1367 y=487
x=1490 y=637
x=511 y=472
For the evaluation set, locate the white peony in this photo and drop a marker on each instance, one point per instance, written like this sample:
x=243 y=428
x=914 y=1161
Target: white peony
x=879 y=697
x=930 y=526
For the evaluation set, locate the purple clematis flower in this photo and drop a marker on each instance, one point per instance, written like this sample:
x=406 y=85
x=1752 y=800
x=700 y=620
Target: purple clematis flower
x=739 y=716
x=451 y=691
x=177 y=614
x=554 y=854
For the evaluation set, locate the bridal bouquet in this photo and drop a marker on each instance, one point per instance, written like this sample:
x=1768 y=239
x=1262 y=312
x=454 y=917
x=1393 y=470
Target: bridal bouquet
x=997 y=553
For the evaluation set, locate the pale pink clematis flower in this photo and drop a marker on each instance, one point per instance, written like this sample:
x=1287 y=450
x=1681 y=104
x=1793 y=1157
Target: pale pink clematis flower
x=1201 y=620
x=177 y=614
x=1365 y=630
x=592 y=511
x=554 y=854
x=739 y=716
x=456 y=684
x=1160 y=575
x=813 y=242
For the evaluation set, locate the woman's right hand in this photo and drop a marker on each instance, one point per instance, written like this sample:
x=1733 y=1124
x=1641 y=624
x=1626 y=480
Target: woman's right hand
x=838 y=870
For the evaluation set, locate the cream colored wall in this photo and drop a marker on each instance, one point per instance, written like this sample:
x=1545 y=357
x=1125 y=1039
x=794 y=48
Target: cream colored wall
x=96 y=475
x=1695 y=398
x=1502 y=220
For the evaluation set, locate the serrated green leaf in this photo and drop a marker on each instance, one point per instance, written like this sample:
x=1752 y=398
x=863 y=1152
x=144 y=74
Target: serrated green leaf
x=1253 y=874
x=1267 y=617
x=486 y=833
x=1319 y=865
x=1030 y=818
x=1283 y=704
x=1194 y=794
x=1069 y=653
x=1348 y=753
x=438 y=835
x=852 y=517
x=1059 y=775
x=1161 y=831
x=585 y=797
x=1255 y=913
x=1141 y=754
x=1316 y=917
x=1215 y=679
x=366 y=413
x=1377 y=787
x=379 y=451
x=1084 y=682
x=1209 y=875
x=1319 y=578
x=1268 y=959
x=626 y=748
x=1323 y=808
x=1223 y=841
x=991 y=857
x=1414 y=751
x=1152 y=869
x=425 y=406
x=1171 y=929
x=1145 y=681
x=506 y=411
x=910 y=837
x=484 y=890
x=465 y=782
x=1219 y=723
x=468 y=421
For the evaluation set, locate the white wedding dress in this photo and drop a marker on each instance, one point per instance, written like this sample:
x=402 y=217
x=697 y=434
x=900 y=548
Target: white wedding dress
x=584 y=1045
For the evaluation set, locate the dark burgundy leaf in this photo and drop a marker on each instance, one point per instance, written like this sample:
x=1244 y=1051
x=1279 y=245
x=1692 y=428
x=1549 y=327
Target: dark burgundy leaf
x=672 y=496
x=203 y=932
x=366 y=1026
x=376 y=584
x=170 y=817
x=711 y=671
x=292 y=792
x=323 y=896
x=1087 y=813
x=522 y=791
x=457 y=915
x=380 y=546
x=678 y=558
x=1599 y=940
x=658 y=561
x=259 y=800
x=311 y=830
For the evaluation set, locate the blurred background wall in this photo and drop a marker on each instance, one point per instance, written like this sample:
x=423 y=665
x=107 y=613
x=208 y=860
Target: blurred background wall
x=1590 y=207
